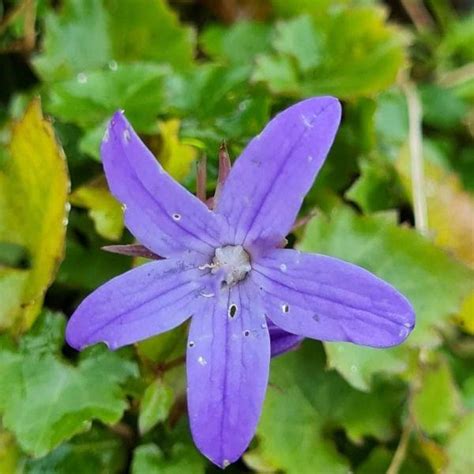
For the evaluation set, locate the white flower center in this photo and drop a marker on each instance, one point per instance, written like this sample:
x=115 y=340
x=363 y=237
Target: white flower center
x=234 y=261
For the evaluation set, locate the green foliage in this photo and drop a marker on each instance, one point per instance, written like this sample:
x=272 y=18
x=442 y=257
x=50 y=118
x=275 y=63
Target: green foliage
x=156 y=404
x=189 y=76
x=46 y=400
x=333 y=56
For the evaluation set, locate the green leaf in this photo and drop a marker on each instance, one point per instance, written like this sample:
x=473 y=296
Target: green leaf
x=104 y=209
x=217 y=104
x=98 y=451
x=303 y=400
x=436 y=405
x=80 y=22
x=359 y=364
x=48 y=401
x=155 y=405
x=92 y=98
x=238 y=44
x=164 y=346
x=298 y=38
x=378 y=188
x=391 y=118
x=111 y=32
x=33 y=213
x=149 y=31
x=149 y=459
x=278 y=72
x=406 y=260
x=352 y=52
x=442 y=108
x=459 y=447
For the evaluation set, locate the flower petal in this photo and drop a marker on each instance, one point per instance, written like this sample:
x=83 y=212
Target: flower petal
x=160 y=213
x=227 y=365
x=328 y=299
x=145 y=301
x=266 y=186
x=280 y=340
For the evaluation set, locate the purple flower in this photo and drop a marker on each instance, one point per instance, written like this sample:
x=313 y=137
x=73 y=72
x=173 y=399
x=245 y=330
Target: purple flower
x=226 y=269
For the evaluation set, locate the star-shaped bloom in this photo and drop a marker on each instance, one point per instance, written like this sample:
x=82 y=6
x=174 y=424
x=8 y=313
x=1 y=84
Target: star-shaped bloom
x=225 y=268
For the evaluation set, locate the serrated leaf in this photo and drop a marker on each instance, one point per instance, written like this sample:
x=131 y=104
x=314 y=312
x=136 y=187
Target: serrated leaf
x=111 y=31
x=354 y=53
x=90 y=99
x=33 y=213
x=155 y=405
x=103 y=208
x=47 y=400
x=79 y=22
x=406 y=260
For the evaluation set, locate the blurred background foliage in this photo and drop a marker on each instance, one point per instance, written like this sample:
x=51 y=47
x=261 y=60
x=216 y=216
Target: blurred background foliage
x=191 y=74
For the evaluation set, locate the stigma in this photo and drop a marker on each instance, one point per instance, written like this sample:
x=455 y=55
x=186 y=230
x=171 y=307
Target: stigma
x=233 y=262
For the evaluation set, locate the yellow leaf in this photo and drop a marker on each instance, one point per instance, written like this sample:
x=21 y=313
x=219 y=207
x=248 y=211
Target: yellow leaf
x=466 y=316
x=34 y=185
x=104 y=209
x=450 y=208
x=9 y=454
x=175 y=156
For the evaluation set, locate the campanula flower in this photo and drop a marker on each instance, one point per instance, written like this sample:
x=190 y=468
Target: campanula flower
x=225 y=268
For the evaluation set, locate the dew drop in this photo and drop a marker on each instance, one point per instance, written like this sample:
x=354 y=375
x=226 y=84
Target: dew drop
x=310 y=158
x=264 y=325
x=206 y=295
x=225 y=463
x=124 y=207
x=176 y=216
x=113 y=65
x=246 y=333
x=191 y=344
x=126 y=135
x=403 y=332
x=82 y=78
x=201 y=360
x=353 y=368
x=283 y=267
x=285 y=308
x=408 y=325
x=106 y=136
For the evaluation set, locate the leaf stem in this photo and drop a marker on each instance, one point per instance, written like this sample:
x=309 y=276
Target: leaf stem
x=401 y=451
x=415 y=137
